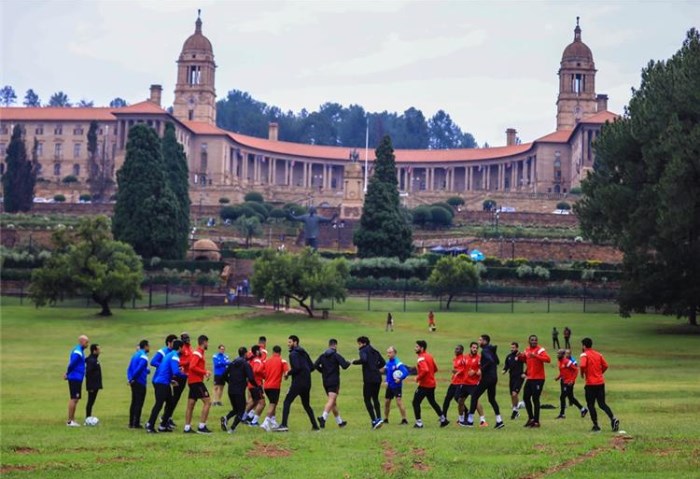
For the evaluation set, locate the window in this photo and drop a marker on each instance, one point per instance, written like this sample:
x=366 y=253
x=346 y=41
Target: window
x=39 y=130
x=190 y=115
x=76 y=170
x=78 y=130
x=194 y=75
x=58 y=150
x=3 y=130
x=577 y=83
x=557 y=169
x=76 y=150
x=39 y=150
x=57 y=169
x=204 y=158
x=58 y=130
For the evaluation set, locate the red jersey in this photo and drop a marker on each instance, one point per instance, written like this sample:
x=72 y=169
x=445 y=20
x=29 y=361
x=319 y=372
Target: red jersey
x=263 y=352
x=425 y=364
x=258 y=371
x=535 y=358
x=185 y=357
x=431 y=319
x=198 y=367
x=473 y=369
x=593 y=365
x=459 y=365
x=568 y=370
x=275 y=367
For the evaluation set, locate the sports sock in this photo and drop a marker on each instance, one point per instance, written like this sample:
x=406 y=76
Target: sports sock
x=338 y=419
x=202 y=425
x=470 y=418
x=187 y=427
x=461 y=418
x=515 y=408
x=482 y=418
x=499 y=418
x=250 y=414
x=256 y=418
x=419 y=422
x=442 y=418
x=324 y=415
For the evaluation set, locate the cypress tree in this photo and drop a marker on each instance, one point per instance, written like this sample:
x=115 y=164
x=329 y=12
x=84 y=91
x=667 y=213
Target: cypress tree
x=19 y=179
x=177 y=176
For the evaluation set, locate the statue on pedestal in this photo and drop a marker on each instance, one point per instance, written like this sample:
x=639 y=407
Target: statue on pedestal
x=311 y=222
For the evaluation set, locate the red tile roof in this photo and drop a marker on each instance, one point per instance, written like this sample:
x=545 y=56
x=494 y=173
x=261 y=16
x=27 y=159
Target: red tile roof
x=601 y=117
x=201 y=128
x=55 y=114
x=561 y=136
x=145 y=106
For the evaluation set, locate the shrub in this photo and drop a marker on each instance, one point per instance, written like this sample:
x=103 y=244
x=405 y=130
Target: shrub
x=563 y=205
x=59 y=198
x=523 y=271
x=258 y=209
x=253 y=196
x=489 y=205
x=230 y=212
x=224 y=201
x=576 y=190
x=85 y=197
x=70 y=179
x=422 y=215
x=541 y=272
x=278 y=214
x=587 y=274
x=297 y=209
x=441 y=216
x=447 y=207
x=455 y=201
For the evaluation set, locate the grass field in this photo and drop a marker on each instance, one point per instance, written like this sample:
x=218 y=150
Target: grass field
x=653 y=388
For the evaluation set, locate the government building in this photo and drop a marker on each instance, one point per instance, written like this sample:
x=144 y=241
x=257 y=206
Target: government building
x=226 y=164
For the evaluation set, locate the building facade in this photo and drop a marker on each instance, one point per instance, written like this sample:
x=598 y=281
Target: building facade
x=227 y=164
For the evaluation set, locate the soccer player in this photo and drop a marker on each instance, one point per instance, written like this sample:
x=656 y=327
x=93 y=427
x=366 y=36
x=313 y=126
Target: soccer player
x=555 y=338
x=262 y=342
x=516 y=369
x=93 y=377
x=196 y=374
x=275 y=369
x=164 y=351
x=220 y=360
x=300 y=371
x=329 y=364
x=568 y=370
x=431 y=322
x=394 y=384
x=567 y=337
x=238 y=373
x=257 y=397
x=163 y=379
x=181 y=378
x=75 y=373
x=426 y=369
x=137 y=375
x=593 y=366
x=372 y=362
x=534 y=357
x=389 y=323
x=455 y=389
x=473 y=369
x=489 y=379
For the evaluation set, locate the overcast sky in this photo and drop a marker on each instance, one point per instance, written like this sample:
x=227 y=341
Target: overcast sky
x=491 y=65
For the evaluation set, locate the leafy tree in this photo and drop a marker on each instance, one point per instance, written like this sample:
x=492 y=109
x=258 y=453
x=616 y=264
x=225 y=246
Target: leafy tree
x=384 y=229
x=455 y=201
x=89 y=264
x=59 y=99
x=644 y=192
x=441 y=217
x=444 y=133
x=563 y=205
x=248 y=227
x=224 y=200
x=31 y=99
x=177 y=177
x=253 y=196
x=453 y=275
x=302 y=277
x=7 y=95
x=230 y=212
x=59 y=198
x=422 y=216
x=146 y=211
x=20 y=176
x=118 y=103
x=86 y=103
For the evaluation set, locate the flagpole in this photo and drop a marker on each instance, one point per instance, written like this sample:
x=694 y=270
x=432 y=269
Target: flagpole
x=366 y=153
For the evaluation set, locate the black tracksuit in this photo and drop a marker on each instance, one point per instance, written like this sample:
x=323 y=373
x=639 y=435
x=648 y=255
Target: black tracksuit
x=329 y=364
x=515 y=370
x=489 y=379
x=371 y=361
x=300 y=367
x=238 y=374
x=93 y=381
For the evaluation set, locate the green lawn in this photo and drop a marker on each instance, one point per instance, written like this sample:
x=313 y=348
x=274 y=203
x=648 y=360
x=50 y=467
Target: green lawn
x=653 y=388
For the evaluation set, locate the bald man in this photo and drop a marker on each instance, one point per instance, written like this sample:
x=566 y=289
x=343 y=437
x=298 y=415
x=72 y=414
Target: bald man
x=75 y=374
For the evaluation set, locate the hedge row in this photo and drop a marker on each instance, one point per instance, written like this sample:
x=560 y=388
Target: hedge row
x=496 y=273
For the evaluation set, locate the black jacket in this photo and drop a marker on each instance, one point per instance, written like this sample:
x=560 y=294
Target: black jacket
x=300 y=366
x=329 y=364
x=489 y=363
x=238 y=374
x=371 y=362
x=513 y=366
x=93 y=373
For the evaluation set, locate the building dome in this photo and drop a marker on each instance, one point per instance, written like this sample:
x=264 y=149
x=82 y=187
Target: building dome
x=197 y=43
x=577 y=50
x=205 y=249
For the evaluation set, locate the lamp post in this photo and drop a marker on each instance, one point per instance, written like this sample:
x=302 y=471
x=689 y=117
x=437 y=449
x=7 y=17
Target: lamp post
x=338 y=225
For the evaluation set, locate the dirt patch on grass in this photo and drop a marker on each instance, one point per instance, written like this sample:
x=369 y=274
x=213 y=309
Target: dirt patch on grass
x=390 y=455
x=24 y=450
x=418 y=462
x=8 y=469
x=268 y=450
x=114 y=460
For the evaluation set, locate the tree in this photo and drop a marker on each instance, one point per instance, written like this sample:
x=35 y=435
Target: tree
x=86 y=103
x=118 y=103
x=444 y=133
x=89 y=264
x=453 y=275
x=59 y=99
x=384 y=229
x=304 y=276
x=248 y=227
x=7 y=95
x=20 y=177
x=643 y=194
x=31 y=99
x=146 y=212
x=177 y=176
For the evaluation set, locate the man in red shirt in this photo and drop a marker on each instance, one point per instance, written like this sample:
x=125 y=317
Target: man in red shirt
x=196 y=374
x=465 y=378
x=593 y=366
x=425 y=370
x=568 y=370
x=534 y=357
x=275 y=367
x=257 y=397
x=262 y=342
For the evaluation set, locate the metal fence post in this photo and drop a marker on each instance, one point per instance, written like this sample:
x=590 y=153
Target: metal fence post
x=369 y=294
x=584 y=296
x=21 y=294
x=476 y=302
x=548 y=299
x=512 y=299
x=405 y=286
x=202 y=293
x=167 y=295
x=150 y=295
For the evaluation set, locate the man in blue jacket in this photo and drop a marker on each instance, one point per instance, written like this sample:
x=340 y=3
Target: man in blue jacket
x=162 y=352
x=220 y=360
x=394 y=384
x=163 y=380
x=136 y=375
x=75 y=375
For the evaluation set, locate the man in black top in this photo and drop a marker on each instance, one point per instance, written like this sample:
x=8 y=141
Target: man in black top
x=488 y=381
x=238 y=374
x=329 y=364
x=93 y=377
x=517 y=377
x=300 y=367
x=372 y=362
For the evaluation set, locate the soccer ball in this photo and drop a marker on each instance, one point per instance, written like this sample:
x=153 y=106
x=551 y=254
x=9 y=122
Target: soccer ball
x=92 y=421
x=397 y=374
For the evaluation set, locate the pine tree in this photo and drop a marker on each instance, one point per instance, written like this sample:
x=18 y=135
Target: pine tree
x=177 y=173
x=19 y=179
x=384 y=230
x=146 y=213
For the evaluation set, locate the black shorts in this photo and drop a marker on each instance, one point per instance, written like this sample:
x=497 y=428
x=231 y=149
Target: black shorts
x=75 y=388
x=332 y=388
x=516 y=384
x=219 y=380
x=392 y=393
x=465 y=390
x=256 y=394
x=273 y=395
x=198 y=391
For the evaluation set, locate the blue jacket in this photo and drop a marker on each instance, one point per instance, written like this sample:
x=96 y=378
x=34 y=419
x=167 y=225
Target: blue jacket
x=76 y=364
x=158 y=357
x=220 y=361
x=138 y=368
x=168 y=368
x=391 y=366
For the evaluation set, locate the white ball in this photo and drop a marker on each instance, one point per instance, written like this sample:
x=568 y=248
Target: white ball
x=92 y=421
x=397 y=374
